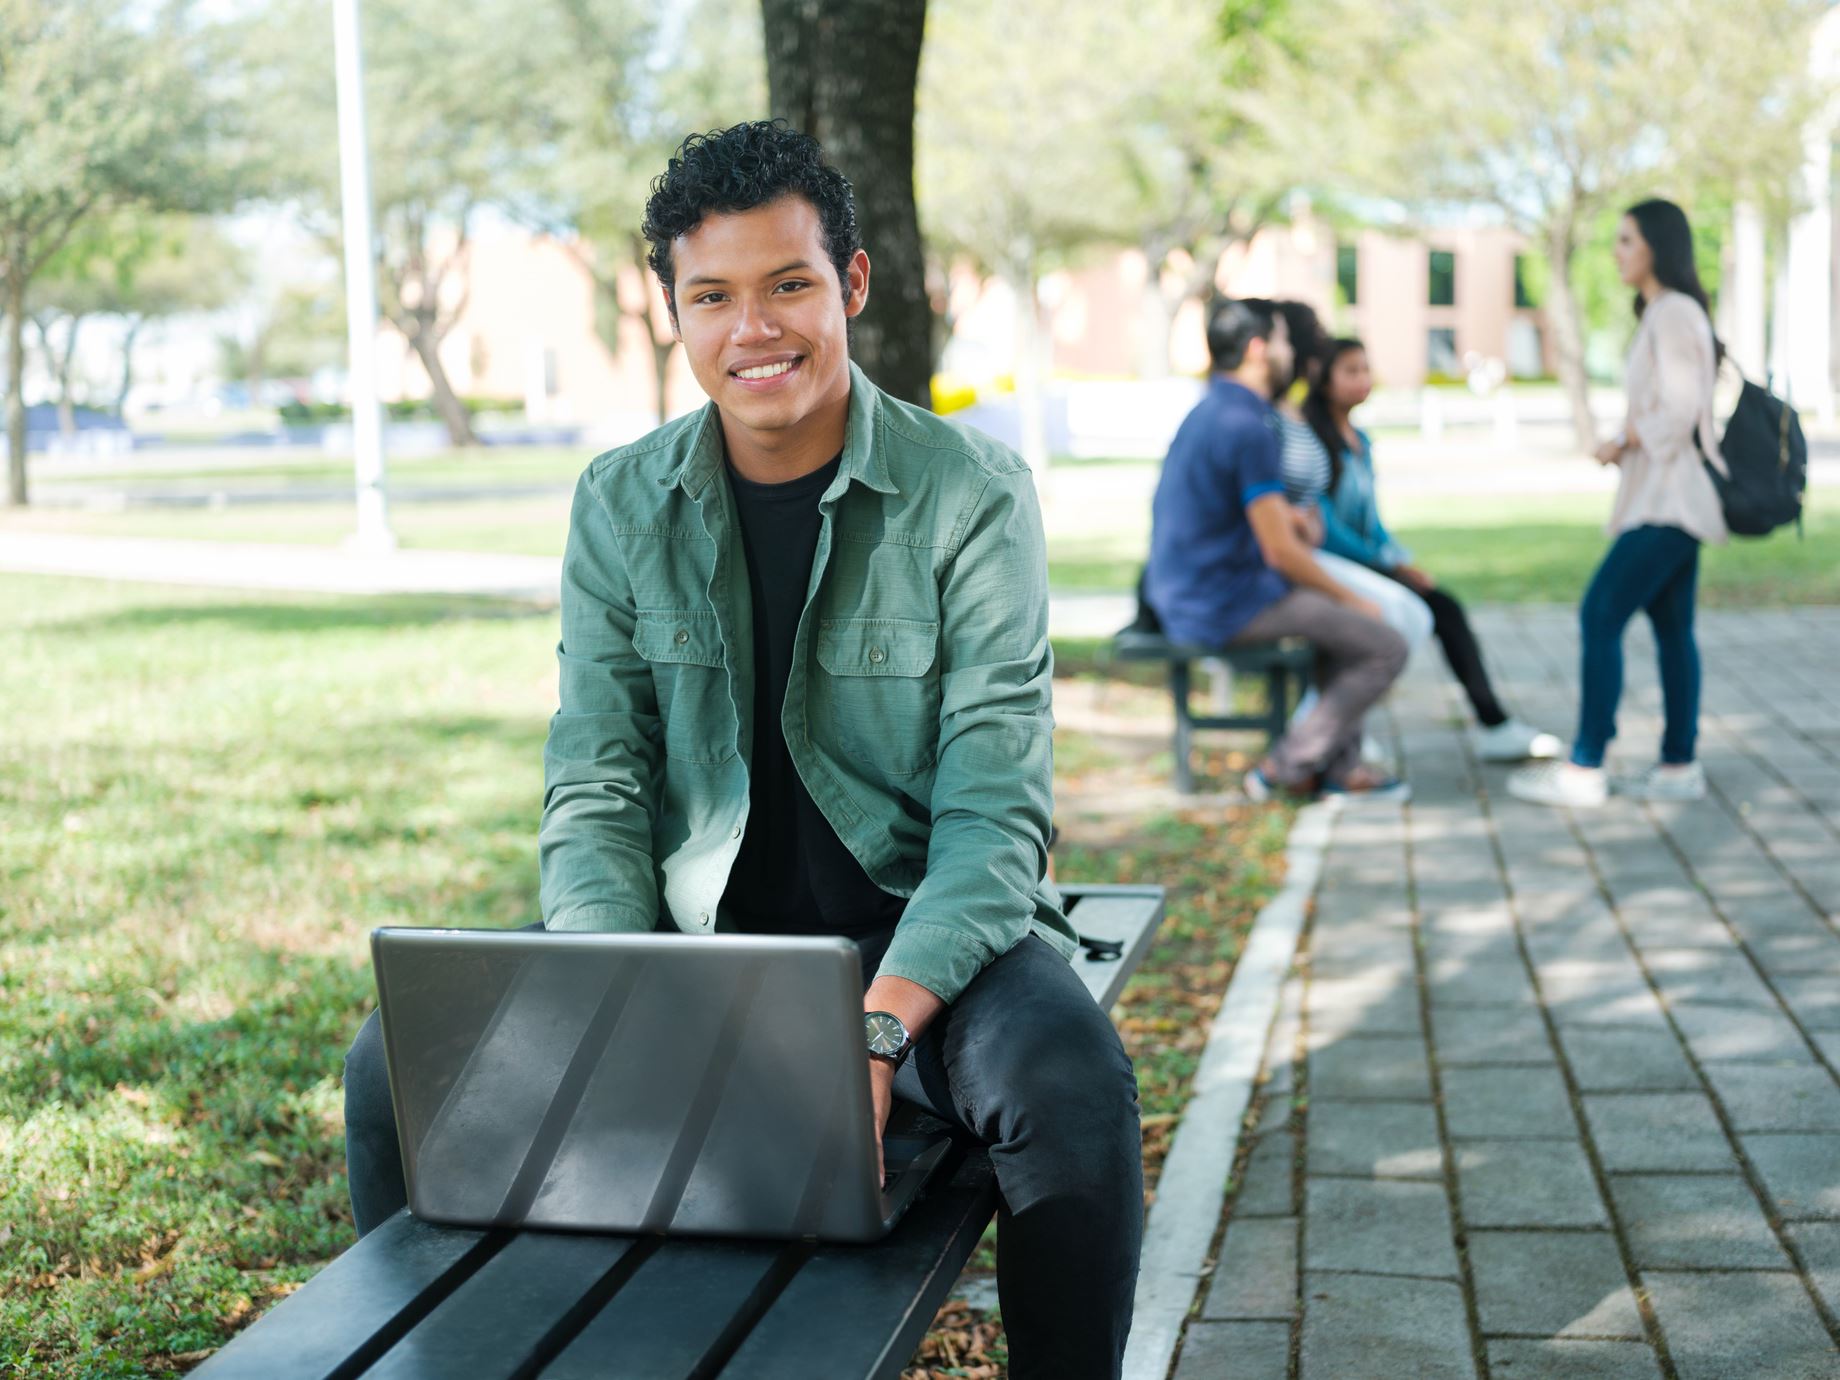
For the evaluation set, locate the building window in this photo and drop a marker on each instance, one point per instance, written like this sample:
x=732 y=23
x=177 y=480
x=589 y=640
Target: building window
x=1524 y=293
x=1443 y=278
x=1348 y=273
x=1441 y=352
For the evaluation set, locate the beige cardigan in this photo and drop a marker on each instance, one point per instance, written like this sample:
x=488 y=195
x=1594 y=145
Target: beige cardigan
x=1672 y=366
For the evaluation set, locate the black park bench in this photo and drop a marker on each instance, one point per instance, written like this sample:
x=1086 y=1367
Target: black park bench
x=438 y=1303
x=1285 y=667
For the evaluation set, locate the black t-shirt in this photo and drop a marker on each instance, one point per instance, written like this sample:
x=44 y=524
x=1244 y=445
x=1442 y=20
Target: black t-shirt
x=793 y=874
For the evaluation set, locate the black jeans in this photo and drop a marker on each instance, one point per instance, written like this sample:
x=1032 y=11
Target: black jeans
x=1027 y=1063
x=1454 y=634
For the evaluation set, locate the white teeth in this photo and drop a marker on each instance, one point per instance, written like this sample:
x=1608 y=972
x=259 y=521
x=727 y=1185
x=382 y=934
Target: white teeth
x=764 y=371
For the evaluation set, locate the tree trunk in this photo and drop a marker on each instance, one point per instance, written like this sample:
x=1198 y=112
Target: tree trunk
x=844 y=72
x=1032 y=424
x=127 y=363
x=16 y=385
x=1155 y=317
x=1567 y=322
x=66 y=405
x=659 y=333
x=447 y=404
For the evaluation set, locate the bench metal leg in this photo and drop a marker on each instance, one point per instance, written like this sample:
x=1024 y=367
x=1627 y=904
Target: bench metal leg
x=1278 y=703
x=1179 y=686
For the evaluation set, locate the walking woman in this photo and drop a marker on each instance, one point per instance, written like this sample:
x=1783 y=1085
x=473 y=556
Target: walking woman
x=1666 y=507
x=1353 y=531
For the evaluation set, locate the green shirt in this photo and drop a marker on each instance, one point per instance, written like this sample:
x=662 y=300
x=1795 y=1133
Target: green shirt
x=917 y=709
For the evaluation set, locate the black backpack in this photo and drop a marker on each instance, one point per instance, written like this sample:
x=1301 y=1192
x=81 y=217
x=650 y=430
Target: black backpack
x=1767 y=458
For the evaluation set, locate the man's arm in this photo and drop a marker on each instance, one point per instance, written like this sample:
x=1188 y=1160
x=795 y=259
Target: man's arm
x=993 y=779
x=1309 y=522
x=1271 y=523
x=594 y=846
x=993 y=774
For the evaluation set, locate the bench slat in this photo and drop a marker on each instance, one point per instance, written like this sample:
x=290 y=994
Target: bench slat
x=674 y=1313
x=539 y=1284
x=1130 y=915
x=860 y=1311
x=351 y=1311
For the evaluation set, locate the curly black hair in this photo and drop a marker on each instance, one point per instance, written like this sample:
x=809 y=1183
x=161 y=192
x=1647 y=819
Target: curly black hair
x=737 y=169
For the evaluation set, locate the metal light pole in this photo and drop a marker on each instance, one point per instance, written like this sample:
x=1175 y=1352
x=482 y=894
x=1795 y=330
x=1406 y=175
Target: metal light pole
x=360 y=284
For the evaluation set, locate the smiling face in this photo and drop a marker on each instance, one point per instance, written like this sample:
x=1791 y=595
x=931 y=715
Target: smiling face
x=1350 y=380
x=1634 y=259
x=765 y=323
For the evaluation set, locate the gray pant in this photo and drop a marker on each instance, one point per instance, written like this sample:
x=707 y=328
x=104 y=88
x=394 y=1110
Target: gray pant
x=1357 y=658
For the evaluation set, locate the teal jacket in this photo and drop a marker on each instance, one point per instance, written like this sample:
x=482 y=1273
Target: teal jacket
x=917 y=709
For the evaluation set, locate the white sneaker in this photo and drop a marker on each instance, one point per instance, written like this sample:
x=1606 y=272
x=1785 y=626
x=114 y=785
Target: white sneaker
x=1560 y=783
x=1686 y=781
x=1513 y=741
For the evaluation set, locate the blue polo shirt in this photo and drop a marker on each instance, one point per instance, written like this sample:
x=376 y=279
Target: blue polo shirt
x=1207 y=577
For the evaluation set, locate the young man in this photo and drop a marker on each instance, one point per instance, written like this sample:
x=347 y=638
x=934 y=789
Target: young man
x=805 y=689
x=1228 y=565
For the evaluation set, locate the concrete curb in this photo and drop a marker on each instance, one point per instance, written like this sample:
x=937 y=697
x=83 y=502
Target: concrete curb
x=1193 y=1188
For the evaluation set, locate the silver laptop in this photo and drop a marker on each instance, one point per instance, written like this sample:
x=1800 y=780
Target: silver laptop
x=637 y=1083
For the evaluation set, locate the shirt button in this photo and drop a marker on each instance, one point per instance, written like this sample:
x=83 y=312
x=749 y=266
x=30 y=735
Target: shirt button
x=737 y=833
x=703 y=919
x=877 y=656
x=683 y=636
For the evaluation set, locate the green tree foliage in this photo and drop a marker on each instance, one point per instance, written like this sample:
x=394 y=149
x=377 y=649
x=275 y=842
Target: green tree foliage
x=454 y=111
x=626 y=84
x=1560 y=112
x=138 y=267
x=104 y=105
x=1023 y=155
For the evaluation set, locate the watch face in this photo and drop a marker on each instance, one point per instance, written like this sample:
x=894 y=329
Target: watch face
x=885 y=1033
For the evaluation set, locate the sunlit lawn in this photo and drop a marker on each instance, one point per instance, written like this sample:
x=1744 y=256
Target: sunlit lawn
x=309 y=468
x=1502 y=548
x=207 y=799
x=530 y=525
x=1515 y=548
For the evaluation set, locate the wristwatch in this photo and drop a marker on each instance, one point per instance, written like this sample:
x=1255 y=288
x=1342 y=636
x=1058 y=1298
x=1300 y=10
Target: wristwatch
x=886 y=1036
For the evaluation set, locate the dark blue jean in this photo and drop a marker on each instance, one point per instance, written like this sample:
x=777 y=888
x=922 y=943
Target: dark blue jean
x=1655 y=570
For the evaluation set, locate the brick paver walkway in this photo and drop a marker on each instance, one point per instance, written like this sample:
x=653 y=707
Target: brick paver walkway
x=1555 y=1095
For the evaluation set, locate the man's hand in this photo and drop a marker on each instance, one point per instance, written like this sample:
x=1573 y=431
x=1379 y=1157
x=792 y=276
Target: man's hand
x=1308 y=523
x=916 y=1007
x=1610 y=453
x=1367 y=608
x=1415 y=578
x=881 y=1097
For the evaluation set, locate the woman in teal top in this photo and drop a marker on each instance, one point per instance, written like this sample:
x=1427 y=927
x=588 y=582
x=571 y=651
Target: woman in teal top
x=1353 y=530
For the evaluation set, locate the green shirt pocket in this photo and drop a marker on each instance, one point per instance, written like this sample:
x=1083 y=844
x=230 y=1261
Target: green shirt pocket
x=883 y=690
x=690 y=670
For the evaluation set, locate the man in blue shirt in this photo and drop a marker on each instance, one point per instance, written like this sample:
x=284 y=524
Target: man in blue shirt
x=1228 y=564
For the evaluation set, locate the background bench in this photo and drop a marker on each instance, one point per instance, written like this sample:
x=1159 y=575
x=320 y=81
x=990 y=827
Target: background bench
x=435 y=1303
x=1285 y=667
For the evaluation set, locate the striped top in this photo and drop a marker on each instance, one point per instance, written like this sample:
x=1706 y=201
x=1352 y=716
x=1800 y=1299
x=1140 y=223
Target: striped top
x=1303 y=461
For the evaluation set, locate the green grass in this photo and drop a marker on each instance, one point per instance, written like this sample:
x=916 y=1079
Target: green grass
x=1495 y=548
x=511 y=465
x=535 y=526
x=1513 y=549
x=1518 y=548
x=207 y=803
